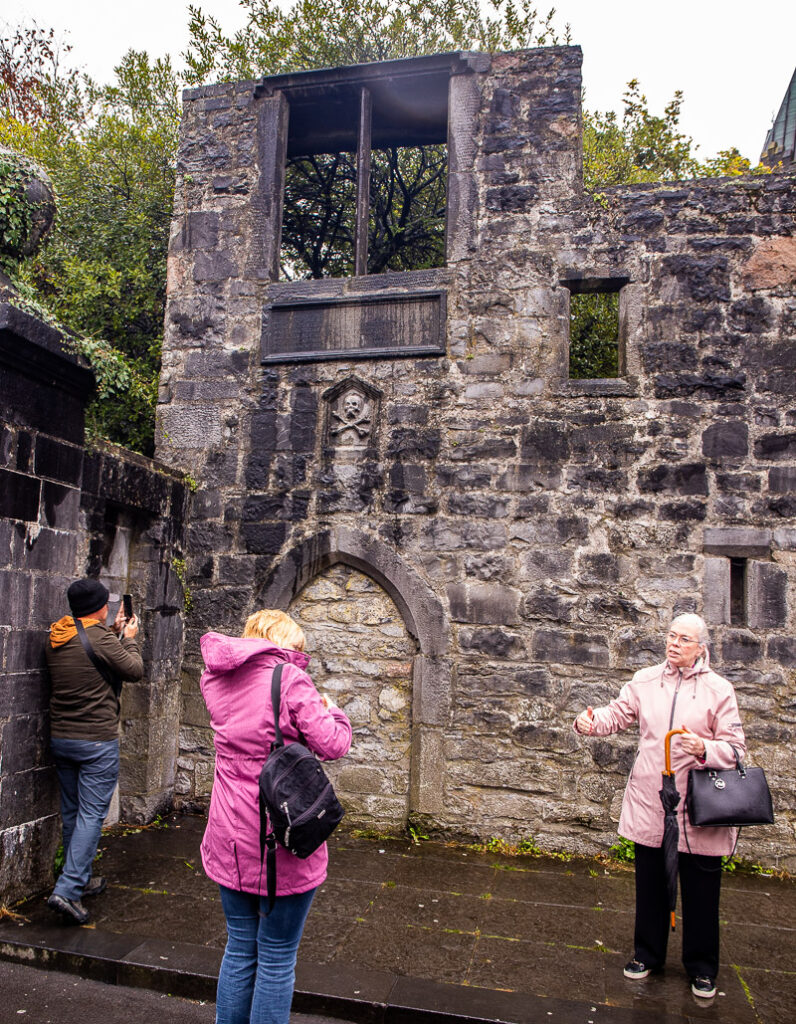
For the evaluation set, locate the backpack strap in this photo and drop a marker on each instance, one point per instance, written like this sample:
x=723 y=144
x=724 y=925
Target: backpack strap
x=276 y=701
x=267 y=837
x=102 y=667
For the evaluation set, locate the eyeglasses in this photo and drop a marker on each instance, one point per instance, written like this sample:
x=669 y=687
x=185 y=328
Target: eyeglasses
x=680 y=638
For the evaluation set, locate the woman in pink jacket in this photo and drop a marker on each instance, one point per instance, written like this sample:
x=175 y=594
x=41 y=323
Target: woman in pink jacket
x=683 y=692
x=255 y=984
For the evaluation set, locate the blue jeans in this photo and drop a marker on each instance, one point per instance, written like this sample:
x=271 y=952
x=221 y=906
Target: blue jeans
x=87 y=773
x=258 y=972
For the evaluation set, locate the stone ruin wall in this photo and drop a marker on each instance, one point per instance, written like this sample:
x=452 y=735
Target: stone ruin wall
x=535 y=534
x=68 y=509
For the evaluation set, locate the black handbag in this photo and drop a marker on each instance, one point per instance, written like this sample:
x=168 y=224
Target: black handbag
x=296 y=799
x=732 y=797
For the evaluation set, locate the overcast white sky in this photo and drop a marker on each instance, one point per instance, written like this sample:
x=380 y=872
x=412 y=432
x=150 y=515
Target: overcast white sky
x=732 y=60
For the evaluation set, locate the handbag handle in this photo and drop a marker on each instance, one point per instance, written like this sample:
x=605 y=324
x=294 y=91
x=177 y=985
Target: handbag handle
x=667 y=743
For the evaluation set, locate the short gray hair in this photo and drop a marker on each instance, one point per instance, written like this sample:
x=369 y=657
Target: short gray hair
x=697 y=624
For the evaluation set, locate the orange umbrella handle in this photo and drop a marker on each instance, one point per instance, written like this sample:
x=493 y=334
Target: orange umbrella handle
x=668 y=747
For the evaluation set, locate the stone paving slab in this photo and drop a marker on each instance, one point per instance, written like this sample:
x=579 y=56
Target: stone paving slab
x=402 y=931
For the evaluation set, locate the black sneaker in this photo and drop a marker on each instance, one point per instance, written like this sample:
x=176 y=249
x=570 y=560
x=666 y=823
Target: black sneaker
x=73 y=910
x=703 y=986
x=95 y=886
x=636 y=970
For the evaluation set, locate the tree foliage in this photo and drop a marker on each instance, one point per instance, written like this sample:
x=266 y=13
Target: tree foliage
x=109 y=151
x=331 y=33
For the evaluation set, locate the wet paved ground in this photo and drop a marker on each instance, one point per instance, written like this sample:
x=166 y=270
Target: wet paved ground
x=425 y=928
x=49 y=997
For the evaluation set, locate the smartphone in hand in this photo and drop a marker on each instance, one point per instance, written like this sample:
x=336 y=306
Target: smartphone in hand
x=127 y=600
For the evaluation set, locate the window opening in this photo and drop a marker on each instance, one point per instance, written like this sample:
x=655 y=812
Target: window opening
x=366 y=175
x=595 y=349
x=738 y=591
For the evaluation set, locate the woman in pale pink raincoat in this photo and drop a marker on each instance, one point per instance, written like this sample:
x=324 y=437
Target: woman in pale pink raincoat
x=255 y=984
x=683 y=692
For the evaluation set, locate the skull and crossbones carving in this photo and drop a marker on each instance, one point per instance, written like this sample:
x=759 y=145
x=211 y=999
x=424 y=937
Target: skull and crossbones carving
x=355 y=416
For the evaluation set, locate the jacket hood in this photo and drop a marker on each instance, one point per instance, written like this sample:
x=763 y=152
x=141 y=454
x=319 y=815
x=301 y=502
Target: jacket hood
x=700 y=665
x=227 y=653
x=62 y=631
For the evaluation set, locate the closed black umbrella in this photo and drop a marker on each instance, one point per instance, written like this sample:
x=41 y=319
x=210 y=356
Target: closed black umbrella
x=670 y=798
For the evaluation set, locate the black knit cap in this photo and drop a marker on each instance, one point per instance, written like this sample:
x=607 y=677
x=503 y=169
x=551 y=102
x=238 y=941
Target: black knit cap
x=86 y=596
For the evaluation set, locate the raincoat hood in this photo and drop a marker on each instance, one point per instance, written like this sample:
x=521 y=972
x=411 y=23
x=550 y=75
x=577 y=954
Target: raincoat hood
x=228 y=653
x=236 y=686
x=693 y=672
x=62 y=631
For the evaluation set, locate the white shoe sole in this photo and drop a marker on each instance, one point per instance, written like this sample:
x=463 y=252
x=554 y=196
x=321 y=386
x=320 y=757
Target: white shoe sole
x=635 y=976
x=701 y=994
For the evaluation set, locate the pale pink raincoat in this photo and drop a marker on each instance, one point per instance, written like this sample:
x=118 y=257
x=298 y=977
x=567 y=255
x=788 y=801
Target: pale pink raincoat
x=663 y=698
x=236 y=686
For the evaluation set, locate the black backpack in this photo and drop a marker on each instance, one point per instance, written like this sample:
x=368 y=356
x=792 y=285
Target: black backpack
x=296 y=799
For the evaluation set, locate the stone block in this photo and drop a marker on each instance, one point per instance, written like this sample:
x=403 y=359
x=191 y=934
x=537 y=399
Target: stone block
x=570 y=648
x=60 y=505
x=737 y=541
x=716 y=591
x=28 y=795
x=23 y=693
x=776 y=447
x=23 y=741
x=723 y=440
x=200 y=230
x=428 y=770
x=25 y=650
x=27 y=850
x=484 y=603
x=481 y=505
x=19 y=496
x=687 y=478
x=739 y=646
x=782 y=479
x=15 y=598
x=495 y=643
x=413 y=444
x=767 y=595
x=58 y=461
x=545 y=441
x=782 y=649
x=213 y=267
x=50 y=551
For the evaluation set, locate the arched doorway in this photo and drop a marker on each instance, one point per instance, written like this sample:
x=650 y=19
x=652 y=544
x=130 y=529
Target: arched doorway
x=424 y=622
x=362 y=656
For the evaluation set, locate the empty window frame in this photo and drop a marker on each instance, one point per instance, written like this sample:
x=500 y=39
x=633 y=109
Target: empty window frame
x=366 y=173
x=738 y=591
x=596 y=345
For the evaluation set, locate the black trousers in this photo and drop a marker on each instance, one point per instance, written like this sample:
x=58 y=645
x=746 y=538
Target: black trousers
x=700 y=885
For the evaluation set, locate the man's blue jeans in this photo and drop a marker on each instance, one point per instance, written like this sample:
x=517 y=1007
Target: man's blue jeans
x=87 y=773
x=258 y=972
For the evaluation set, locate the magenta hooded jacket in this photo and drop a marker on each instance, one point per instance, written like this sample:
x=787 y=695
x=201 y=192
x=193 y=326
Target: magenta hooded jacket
x=236 y=686
x=663 y=698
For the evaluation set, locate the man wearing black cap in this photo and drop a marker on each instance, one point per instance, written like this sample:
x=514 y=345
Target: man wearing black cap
x=84 y=728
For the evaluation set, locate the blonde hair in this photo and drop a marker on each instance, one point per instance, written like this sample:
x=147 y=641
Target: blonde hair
x=278 y=627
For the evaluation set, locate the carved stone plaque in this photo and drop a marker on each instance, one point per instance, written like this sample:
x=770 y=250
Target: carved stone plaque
x=396 y=325
x=352 y=410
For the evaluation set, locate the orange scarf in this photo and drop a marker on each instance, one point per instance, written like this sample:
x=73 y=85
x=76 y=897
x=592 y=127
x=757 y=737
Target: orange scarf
x=64 y=629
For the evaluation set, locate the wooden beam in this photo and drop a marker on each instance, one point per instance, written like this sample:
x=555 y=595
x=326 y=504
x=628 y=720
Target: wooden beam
x=363 y=184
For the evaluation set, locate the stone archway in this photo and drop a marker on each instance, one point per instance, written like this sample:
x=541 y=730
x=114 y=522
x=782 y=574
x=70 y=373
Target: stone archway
x=362 y=656
x=425 y=621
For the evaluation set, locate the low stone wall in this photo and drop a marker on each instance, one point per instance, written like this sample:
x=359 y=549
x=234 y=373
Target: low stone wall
x=61 y=508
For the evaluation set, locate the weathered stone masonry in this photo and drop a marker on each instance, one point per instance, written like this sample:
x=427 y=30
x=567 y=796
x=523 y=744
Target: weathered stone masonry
x=535 y=533
x=66 y=511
